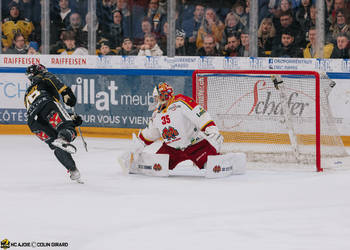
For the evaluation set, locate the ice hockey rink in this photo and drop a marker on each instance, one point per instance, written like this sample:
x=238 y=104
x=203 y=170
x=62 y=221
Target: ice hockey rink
x=261 y=210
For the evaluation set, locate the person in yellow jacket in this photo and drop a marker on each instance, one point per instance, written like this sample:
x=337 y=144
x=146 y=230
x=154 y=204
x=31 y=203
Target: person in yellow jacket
x=310 y=50
x=14 y=24
x=211 y=24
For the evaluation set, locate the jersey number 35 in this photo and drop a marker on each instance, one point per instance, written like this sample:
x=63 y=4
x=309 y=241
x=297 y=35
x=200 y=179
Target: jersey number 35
x=165 y=119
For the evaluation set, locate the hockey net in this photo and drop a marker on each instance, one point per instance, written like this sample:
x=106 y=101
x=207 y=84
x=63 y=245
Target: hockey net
x=291 y=124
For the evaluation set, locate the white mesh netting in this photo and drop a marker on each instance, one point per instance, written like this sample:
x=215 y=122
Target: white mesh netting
x=270 y=125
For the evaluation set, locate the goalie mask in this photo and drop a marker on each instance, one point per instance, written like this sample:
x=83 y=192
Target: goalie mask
x=162 y=94
x=34 y=70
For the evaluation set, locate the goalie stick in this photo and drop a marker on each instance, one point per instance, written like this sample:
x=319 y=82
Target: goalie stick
x=279 y=85
x=81 y=134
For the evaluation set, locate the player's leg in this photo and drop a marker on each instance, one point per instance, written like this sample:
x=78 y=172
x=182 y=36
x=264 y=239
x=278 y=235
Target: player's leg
x=67 y=161
x=41 y=129
x=40 y=126
x=58 y=118
x=175 y=155
x=199 y=152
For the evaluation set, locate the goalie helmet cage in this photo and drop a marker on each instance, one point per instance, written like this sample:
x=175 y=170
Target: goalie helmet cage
x=251 y=114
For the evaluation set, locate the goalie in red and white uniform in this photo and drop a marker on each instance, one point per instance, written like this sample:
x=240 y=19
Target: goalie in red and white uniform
x=187 y=130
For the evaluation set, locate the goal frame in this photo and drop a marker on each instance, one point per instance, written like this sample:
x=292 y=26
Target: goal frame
x=277 y=72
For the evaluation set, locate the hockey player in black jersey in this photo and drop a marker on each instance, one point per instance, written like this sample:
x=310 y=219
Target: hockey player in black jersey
x=48 y=119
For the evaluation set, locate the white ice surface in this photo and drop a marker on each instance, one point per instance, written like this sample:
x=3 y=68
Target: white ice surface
x=262 y=210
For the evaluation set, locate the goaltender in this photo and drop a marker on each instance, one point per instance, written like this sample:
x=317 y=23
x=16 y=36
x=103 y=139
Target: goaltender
x=187 y=131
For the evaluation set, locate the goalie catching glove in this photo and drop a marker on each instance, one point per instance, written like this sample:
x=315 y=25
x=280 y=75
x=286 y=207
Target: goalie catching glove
x=213 y=136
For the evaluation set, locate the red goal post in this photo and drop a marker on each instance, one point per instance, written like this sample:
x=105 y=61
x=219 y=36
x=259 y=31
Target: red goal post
x=250 y=112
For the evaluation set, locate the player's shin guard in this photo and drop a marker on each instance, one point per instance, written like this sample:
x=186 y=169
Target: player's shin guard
x=65 y=159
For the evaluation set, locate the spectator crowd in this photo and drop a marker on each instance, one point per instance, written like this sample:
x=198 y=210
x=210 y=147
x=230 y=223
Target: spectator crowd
x=203 y=27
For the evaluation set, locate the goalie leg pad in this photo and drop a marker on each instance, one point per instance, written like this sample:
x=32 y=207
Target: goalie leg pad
x=146 y=164
x=225 y=165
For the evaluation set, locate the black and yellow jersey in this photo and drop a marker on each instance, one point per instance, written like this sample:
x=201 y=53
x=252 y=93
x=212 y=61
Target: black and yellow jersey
x=45 y=87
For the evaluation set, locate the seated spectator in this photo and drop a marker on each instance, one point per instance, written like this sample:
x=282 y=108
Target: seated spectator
x=302 y=14
x=342 y=50
x=97 y=28
x=105 y=49
x=239 y=10
x=244 y=50
x=283 y=7
x=60 y=16
x=104 y=10
x=338 y=27
x=19 y=45
x=209 y=47
x=13 y=24
x=150 y=46
x=233 y=45
x=33 y=48
x=54 y=48
x=146 y=27
x=337 y=5
x=210 y=25
x=191 y=26
x=132 y=16
x=232 y=26
x=287 y=48
x=75 y=25
x=310 y=50
x=115 y=32
x=180 y=47
x=287 y=22
x=154 y=13
x=128 y=49
x=70 y=47
x=266 y=34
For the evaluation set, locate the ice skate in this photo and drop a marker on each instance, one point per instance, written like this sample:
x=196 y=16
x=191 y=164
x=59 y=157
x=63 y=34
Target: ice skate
x=75 y=176
x=64 y=145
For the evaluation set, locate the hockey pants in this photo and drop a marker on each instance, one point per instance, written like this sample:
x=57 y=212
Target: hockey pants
x=51 y=122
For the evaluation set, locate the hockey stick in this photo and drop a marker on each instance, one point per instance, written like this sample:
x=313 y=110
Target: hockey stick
x=280 y=86
x=81 y=134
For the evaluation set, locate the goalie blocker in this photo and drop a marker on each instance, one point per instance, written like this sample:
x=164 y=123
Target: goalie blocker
x=158 y=165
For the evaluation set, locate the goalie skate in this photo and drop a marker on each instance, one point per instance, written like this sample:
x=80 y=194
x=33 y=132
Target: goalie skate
x=64 y=145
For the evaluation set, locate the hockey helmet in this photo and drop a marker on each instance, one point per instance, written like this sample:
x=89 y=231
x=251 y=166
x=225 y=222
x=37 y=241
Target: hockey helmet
x=34 y=70
x=162 y=93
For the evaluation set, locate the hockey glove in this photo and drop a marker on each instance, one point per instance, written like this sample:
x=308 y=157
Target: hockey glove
x=68 y=97
x=77 y=120
x=214 y=137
